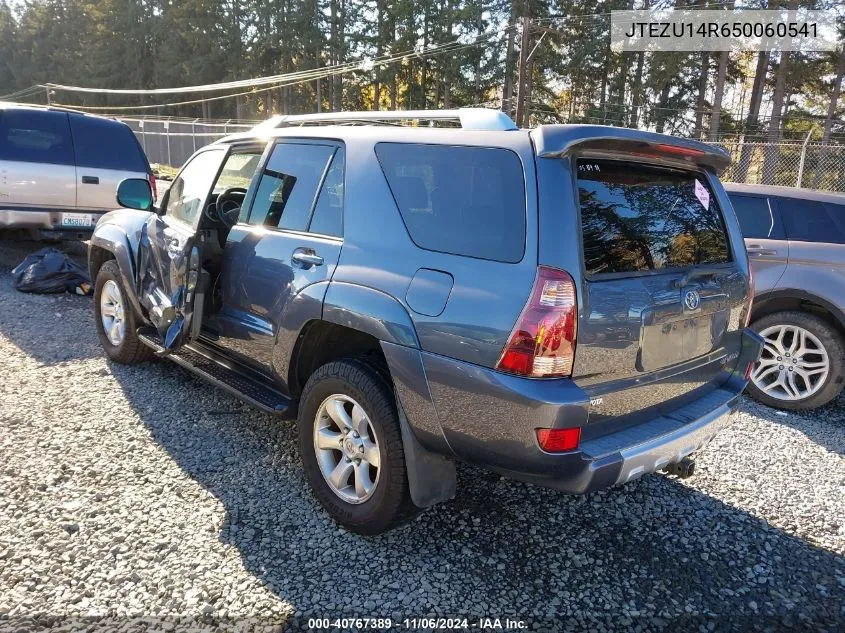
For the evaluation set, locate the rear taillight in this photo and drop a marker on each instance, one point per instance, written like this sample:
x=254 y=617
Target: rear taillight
x=542 y=344
x=559 y=440
x=153 y=186
x=751 y=291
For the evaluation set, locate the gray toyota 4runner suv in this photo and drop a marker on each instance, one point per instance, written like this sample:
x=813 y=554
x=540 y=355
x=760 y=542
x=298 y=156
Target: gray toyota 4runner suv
x=565 y=305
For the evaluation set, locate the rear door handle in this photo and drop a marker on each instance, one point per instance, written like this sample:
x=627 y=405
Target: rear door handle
x=90 y=180
x=306 y=258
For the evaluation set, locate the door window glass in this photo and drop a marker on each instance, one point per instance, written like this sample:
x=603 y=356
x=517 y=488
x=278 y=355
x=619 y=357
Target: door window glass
x=189 y=192
x=328 y=214
x=288 y=185
x=756 y=218
x=104 y=144
x=35 y=136
x=637 y=218
x=813 y=221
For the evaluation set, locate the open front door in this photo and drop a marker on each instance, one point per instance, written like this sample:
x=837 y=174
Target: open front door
x=170 y=280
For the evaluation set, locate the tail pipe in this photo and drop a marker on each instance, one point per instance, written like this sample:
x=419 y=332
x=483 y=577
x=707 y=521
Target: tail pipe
x=683 y=469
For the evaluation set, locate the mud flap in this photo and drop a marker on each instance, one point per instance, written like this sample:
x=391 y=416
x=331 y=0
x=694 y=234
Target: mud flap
x=431 y=477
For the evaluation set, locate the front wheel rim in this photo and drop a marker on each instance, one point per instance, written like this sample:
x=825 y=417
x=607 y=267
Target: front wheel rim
x=347 y=448
x=112 y=314
x=794 y=364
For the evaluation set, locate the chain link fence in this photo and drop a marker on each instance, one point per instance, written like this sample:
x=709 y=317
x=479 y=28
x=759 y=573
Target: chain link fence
x=172 y=141
x=791 y=164
x=811 y=165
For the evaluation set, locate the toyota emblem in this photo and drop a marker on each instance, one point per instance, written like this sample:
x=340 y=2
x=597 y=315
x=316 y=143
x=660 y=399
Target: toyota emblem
x=692 y=300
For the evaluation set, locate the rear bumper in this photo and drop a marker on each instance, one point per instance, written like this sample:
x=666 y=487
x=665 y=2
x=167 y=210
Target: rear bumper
x=646 y=448
x=43 y=220
x=491 y=419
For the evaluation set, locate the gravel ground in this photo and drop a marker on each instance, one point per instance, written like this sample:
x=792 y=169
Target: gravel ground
x=141 y=498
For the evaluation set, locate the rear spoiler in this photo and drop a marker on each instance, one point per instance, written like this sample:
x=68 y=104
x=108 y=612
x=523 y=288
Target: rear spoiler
x=554 y=141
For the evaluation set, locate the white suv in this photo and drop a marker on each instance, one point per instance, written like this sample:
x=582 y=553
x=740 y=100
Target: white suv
x=59 y=169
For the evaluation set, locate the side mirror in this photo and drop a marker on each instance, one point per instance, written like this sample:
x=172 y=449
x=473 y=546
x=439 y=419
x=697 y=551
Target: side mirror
x=135 y=193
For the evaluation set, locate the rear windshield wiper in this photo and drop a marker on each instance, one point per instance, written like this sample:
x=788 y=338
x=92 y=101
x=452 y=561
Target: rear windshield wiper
x=700 y=271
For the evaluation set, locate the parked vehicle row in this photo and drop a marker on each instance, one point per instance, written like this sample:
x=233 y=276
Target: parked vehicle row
x=565 y=305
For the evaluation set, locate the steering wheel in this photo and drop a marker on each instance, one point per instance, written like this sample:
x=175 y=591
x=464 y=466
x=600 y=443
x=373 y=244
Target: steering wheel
x=228 y=205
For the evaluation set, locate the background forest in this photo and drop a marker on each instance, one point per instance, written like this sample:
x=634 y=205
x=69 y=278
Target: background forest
x=436 y=53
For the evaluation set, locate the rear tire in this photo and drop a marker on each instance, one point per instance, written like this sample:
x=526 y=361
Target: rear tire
x=824 y=345
x=125 y=348
x=371 y=417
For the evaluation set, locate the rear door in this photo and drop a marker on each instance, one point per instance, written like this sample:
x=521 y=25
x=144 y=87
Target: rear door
x=662 y=294
x=106 y=153
x=36 y=160
x=170 y=280
x=765 y=240
x=816 y=232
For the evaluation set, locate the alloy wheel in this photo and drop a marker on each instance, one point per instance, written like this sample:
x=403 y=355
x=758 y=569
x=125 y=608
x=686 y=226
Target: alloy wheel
x=112 y=313
x=347 y=448
x=794 y=364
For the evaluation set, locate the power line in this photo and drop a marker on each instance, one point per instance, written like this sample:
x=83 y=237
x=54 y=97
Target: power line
x=274 y=81
x=310 y=75
x=22 y=93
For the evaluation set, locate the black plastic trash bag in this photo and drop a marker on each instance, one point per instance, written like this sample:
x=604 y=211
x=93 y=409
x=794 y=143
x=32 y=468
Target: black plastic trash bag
x=51 y=271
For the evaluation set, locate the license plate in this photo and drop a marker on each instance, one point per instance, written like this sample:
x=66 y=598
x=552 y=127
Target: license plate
x=78 y=220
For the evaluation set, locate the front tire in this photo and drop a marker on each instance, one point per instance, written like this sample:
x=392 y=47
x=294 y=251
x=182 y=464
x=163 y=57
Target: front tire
x=351 y=447
x=115 y=319
x=803 y=361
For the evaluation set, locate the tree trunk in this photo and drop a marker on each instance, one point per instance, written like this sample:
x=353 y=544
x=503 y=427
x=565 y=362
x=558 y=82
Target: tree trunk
x=718 y=92
x=772 y=150
x=703 y=79
x=507 y=88
x=751 y=123
x=831 y=115
x=637 y=91
x=334 y=57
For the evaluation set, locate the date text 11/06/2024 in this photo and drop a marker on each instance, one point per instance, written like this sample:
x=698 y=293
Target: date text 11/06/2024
x=455 y=624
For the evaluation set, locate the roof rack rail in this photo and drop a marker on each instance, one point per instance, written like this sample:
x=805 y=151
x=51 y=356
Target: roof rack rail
x=469 y=118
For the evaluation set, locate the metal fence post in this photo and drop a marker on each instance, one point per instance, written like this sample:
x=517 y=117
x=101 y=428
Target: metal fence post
x=194 y=133
x=801 y=162
x=167 y=136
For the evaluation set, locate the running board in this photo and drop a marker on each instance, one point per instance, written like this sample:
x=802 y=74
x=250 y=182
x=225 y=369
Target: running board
x=224 y=374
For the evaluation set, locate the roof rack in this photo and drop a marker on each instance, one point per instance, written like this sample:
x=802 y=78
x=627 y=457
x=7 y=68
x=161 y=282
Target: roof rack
x=469 y=118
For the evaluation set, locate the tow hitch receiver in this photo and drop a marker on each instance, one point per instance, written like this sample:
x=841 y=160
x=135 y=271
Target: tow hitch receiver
x=682 y=469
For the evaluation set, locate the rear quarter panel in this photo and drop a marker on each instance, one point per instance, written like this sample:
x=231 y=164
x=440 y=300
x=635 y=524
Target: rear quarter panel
x=486 y=297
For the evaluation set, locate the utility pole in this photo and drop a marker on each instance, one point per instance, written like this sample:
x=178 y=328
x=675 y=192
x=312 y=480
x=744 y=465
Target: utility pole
x=523 y=71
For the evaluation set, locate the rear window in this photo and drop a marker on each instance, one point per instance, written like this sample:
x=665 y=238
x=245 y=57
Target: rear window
x=813 y=221
x=466 y=201
x=103 y=144
x=639 y=218
x=35 y=136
